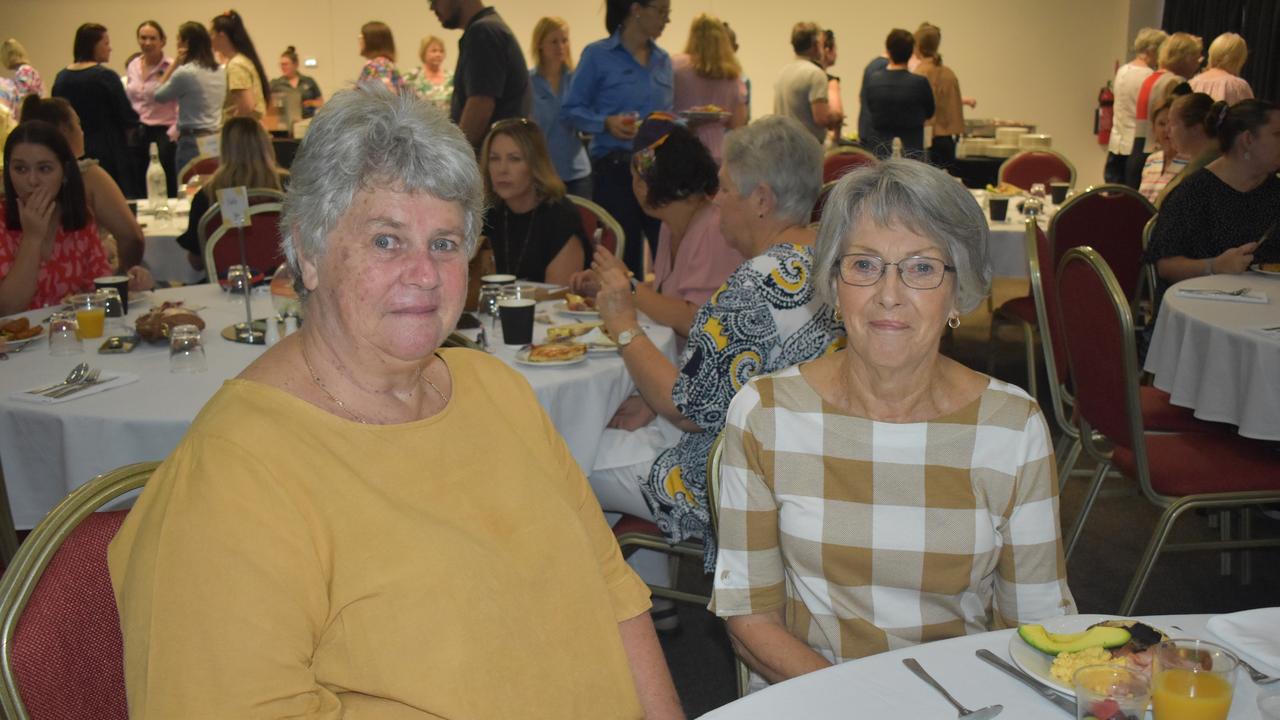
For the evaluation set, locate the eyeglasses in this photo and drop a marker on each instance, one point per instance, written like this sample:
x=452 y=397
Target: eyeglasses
x=510 y=122
x=917 y=273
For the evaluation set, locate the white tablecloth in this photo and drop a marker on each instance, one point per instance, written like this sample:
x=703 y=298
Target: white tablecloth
x=1210 y=355
x=166 y=260
x=1008 y=244
x=49 y=450
x=881 y=686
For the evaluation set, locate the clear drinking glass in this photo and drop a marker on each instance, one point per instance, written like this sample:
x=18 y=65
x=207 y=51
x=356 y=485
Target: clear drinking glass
x=64 y=334
x=239 y=281
x=89 y=314
x=1111 y=692
x=186 y=352
x=488 y=302
x=1192 y=679
x=113 y=310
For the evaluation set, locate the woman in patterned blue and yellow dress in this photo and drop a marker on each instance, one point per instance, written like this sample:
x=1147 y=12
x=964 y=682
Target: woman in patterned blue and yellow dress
x=765 y=317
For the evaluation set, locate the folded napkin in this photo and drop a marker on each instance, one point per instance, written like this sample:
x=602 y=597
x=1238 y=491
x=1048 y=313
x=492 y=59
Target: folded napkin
x=113 y=380
x=1253 y=296
x=1255 y=634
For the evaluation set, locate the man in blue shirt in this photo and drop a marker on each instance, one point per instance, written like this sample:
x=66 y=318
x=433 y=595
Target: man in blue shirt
x=490 y=82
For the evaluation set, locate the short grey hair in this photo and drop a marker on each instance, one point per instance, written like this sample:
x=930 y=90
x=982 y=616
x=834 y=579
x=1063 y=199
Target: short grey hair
x=1149 y=40
x=780 y=153
x=914 y=196
x=366 y=138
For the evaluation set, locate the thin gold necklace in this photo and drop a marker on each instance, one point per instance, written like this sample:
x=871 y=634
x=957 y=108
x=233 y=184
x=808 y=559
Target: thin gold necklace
x=320 y=384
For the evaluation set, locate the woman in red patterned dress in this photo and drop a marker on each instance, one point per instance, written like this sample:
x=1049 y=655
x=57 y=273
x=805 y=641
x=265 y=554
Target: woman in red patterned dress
x=49 y=245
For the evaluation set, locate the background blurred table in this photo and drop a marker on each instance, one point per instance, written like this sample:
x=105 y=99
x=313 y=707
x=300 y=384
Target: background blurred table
x=49 y=450
x=1008 y=237
x=166 y=260
x=1212 y=356
x=881 y=686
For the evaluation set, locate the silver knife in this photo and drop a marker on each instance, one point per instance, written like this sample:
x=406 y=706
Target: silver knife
x=73 y=389
x=1041 y=689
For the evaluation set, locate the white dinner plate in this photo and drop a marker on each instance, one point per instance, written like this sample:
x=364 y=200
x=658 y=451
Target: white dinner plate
x=522 y=357
x=12 y=345
x=1260 y=271
x=1037 y=664
x=562 y=307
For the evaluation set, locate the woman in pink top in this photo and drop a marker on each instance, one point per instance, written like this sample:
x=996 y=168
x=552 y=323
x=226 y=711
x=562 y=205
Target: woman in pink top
x=674 y=179
x=1222 y=80
x=708 y=74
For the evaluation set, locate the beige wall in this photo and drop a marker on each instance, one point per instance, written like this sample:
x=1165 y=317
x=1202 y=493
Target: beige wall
x=1035 y=61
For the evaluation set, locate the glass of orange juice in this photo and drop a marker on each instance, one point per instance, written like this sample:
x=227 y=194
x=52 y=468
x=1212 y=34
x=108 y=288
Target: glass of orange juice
x=90 y=314
x=1192 y=680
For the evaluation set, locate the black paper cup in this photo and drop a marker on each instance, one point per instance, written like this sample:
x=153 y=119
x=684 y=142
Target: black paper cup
x=517 y=320
x=1058 y=191
x=120 y=283
x=999 y=207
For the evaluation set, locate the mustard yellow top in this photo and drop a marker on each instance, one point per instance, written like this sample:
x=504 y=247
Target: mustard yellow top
x=285 y=562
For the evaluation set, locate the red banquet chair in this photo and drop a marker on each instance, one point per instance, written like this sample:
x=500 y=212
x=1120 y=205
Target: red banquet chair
x=203 y=165
x=842 y=160
x=212 y=218
x=63 y=656
x=821 y=202
x=1176 y=471
x=1110 y=219
x=600 y=226
x=1037 y=166
x=261 y=243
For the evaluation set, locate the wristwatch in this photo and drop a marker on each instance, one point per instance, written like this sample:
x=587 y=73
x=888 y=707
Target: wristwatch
x=626 y=336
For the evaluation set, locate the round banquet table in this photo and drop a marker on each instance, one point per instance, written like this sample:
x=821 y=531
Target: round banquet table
x=163 y=256
x=1008 y=238
x=881 y=686
x=1217 y=358
x=47 y=451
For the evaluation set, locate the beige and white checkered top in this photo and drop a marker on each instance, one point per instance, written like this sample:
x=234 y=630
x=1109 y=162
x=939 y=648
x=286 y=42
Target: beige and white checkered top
x=874 y=536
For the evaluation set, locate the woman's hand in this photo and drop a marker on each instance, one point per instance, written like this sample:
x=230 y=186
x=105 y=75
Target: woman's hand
x=622 y=127
x=615 y=302
x=633 y=414
x=140 y=279
x=585 y=283
x=39 y=216
x=1235 y=260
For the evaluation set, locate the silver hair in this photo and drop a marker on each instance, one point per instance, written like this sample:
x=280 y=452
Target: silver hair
x=366 y=138
x=780 y=153
x=914 y=196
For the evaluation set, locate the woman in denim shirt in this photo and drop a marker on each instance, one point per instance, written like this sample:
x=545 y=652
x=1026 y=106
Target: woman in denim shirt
x=619 y=80
x=550 y=76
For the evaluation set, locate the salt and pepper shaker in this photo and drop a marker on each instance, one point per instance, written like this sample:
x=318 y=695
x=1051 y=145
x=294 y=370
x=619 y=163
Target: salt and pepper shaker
x=273 y=330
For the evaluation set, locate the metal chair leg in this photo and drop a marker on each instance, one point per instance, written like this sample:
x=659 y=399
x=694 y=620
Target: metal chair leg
x=1246 y=556
x=1069 y=463
x=1029 y=342
x=1152 y=552
x=1092 y=494
x=1225 y=521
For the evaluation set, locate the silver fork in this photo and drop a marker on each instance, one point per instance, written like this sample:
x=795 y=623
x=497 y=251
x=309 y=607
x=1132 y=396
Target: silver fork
x=88 y=381
x=1256 y=675
x=1209 y=291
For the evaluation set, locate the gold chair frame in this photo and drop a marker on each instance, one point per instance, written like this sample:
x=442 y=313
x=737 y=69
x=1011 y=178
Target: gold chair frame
x=604 y=218
x=1173 y=507
x=215 y=210
x=714 y=458
x=21 y=578
x=184 y=175
x=224 y=229
x=1103 y=189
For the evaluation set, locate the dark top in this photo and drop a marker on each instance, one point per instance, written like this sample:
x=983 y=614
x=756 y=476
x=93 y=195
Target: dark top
x=106 y=115
x=866 y=129
x=307 y=88
x=1203 y=217
x=900 y=101
x=524 y=244
x=490 y=64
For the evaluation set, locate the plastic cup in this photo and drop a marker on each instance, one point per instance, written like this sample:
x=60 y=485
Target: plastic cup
x=186 y=352
x=120 y=283
x=517 y=320
x=1192 y=680
x=1111 y=692
x=90 y=315
x=998 y=206
x=64 y=334
x=1058 y=191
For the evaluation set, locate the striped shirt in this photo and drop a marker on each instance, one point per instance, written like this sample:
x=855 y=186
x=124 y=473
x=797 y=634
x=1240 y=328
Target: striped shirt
x=873 y=536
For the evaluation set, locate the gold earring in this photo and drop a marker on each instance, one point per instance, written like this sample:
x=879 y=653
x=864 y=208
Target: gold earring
x=953 y=322
x=838 y=315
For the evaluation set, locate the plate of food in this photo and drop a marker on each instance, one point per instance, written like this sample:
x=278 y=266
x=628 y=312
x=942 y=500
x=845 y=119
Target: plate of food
x=1051 y=652
x=1270 y=268
x=572 y=330
x=552 y=354
x=705 y=113
x=19 y=332
x=577 y=306
x=1004 y=188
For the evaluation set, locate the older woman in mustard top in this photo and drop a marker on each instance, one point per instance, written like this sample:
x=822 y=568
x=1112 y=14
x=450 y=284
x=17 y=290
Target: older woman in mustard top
x=362 y=524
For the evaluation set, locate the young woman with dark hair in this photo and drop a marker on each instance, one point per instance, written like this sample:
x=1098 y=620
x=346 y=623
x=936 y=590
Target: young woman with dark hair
x=97 y=95
x=199 y=86
x=247 y=87
x=291 y=79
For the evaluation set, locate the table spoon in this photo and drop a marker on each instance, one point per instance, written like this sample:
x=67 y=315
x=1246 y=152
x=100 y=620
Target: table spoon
x=76 y=375
x=980 y=714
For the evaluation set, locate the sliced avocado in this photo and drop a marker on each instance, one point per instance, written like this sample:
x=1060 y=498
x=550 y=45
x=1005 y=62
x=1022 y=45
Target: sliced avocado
x=1051 y=643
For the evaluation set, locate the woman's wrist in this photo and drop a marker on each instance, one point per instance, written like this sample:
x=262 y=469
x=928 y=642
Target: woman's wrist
x=1208 y=266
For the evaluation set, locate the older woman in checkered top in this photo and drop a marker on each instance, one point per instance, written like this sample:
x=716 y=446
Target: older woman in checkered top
x=886 y=495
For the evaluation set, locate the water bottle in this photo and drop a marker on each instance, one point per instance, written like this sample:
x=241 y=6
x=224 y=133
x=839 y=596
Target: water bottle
x=157 y=186
x=897 y=147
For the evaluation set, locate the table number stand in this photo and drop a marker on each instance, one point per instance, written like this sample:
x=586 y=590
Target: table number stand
x=234 y=203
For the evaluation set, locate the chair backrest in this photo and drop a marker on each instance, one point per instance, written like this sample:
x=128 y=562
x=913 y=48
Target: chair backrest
x=1110 y=219
x=458 y=340
x=1037 y=166
x=1148 y=281
x=200 y=165
x=261 y=243
x=62 y=652
x=596 y=219
x=821 y=202
x=843 y=160
x=1100 y=346
x=212 y=217
x=713 y=480
x=1044 y=290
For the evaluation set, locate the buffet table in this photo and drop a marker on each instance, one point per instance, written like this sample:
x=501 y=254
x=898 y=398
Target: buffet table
x=49 y=450
x=1218 y=357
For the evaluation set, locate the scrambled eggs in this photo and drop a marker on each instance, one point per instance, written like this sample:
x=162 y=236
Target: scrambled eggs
x=1066 y=664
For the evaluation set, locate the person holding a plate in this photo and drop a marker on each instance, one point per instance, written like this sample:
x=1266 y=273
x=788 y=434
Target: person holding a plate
x=766 y=316
x=1212 y=221
x=707 y=78
x=886 y=495
x=330 y=539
